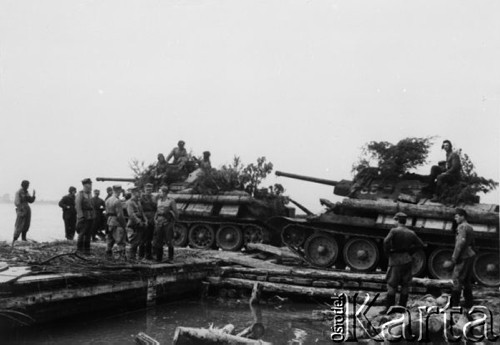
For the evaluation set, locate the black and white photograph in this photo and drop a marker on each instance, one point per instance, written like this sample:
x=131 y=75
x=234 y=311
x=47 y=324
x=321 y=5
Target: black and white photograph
x=249 y=172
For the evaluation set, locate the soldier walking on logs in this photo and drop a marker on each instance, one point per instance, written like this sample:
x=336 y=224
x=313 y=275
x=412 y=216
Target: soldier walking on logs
x=165 y=217
x=461 y=261
x=399 y=245
x=116 y=224
x=136 y=222
x=23 y=211
x=67 y=204
x=85 y=216
x=148 y=203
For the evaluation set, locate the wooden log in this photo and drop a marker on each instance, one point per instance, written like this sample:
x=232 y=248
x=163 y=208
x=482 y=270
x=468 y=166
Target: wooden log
x=474 y=214
x=329 y=275
x=144 y=339
x=281 y=252
x=188 y=336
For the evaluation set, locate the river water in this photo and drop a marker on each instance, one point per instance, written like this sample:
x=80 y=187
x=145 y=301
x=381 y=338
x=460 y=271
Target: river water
x=285 y=323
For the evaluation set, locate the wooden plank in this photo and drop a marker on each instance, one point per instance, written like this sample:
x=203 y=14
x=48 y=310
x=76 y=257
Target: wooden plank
x=283 y=252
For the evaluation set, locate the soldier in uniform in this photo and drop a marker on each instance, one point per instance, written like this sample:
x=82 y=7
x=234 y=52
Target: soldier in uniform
x=109 y=193
x=448 y=173
x=179 y=154
x=100 y=219
x=148 y=203
x=67 y=204
x=165 y=217
x=399 y=245
x=116 y=223
x=23 y=211
x=461 y=260
x=136 y=222
x=85 y=216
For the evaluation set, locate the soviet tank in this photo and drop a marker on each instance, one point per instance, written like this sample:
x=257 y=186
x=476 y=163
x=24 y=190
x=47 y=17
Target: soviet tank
x=351 y=232
x=226 y=220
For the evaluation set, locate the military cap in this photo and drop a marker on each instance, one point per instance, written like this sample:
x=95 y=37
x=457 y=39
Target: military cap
x=133 y=189
x=109 y=189
x=206 y=153
x=86 y=181
x=400 y=215
x=117 y=187
x=72 y=189
x=148 y=185
x=25 y=183
x=181 y=142
x=164 y=189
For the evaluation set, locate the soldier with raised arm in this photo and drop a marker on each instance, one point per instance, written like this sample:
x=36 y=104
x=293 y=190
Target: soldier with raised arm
x=116 y=224
x=23 y=211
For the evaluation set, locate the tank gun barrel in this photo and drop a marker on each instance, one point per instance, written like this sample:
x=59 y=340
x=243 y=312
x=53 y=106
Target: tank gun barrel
x=115 y=179
x=307 y=178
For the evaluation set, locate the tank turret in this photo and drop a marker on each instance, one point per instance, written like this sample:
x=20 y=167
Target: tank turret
x=342 y=187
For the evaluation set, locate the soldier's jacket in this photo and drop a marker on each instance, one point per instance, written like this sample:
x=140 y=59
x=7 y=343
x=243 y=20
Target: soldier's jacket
x=83 y=206
x=67 y=203
x=453 y=164
x=148 y=203
x=22 y=201
x=400 y=244
x=464 y=243
x=114 y=211
x=135 y=213
x=166 y=210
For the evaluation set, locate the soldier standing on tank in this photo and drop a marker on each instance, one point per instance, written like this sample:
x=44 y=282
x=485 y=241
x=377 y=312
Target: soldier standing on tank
x=461 y=260
x=399 y=245
x=23 y=211
x=148 y=203
x=85 y=216
x=67 y=204
x=179 y=154
x=165 y=217
x=136 y=222
x=100 y=219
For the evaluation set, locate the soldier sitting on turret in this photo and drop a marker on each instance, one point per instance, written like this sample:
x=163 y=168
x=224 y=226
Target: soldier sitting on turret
x=160 y=172
x=179 y=154
x=446 y=173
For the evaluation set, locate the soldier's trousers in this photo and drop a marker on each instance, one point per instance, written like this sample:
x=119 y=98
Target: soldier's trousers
x=147 y=238
x=23 y=222
x=164 y=233
x=118 y=236
x=399 y=275
x=69 y=225
x=84 y=230
x=135 y=235
x=462 y=279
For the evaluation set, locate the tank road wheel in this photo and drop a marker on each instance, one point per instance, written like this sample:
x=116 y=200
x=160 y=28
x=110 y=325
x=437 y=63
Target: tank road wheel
x=418 y=263
x=293 y=236
x=253 y=234
x=361 y=254
x=321 y=250
x=180 y=235
x=436 y=260
x=229 y=237
x=486 y=269
x=201 y=236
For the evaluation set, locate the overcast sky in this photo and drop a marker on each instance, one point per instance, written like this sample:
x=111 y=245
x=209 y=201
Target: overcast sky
x=86 y=86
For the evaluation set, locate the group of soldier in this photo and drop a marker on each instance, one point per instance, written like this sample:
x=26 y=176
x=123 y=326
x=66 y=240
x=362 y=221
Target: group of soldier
x=141 y=220
x=401 y=242
x=146 y=224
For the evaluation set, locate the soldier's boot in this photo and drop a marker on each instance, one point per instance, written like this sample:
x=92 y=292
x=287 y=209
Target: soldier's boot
x=403 y=300
x=469 y=300
x=159 y=254
x=170 y=253
x=455 y=298
x=23 y=236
